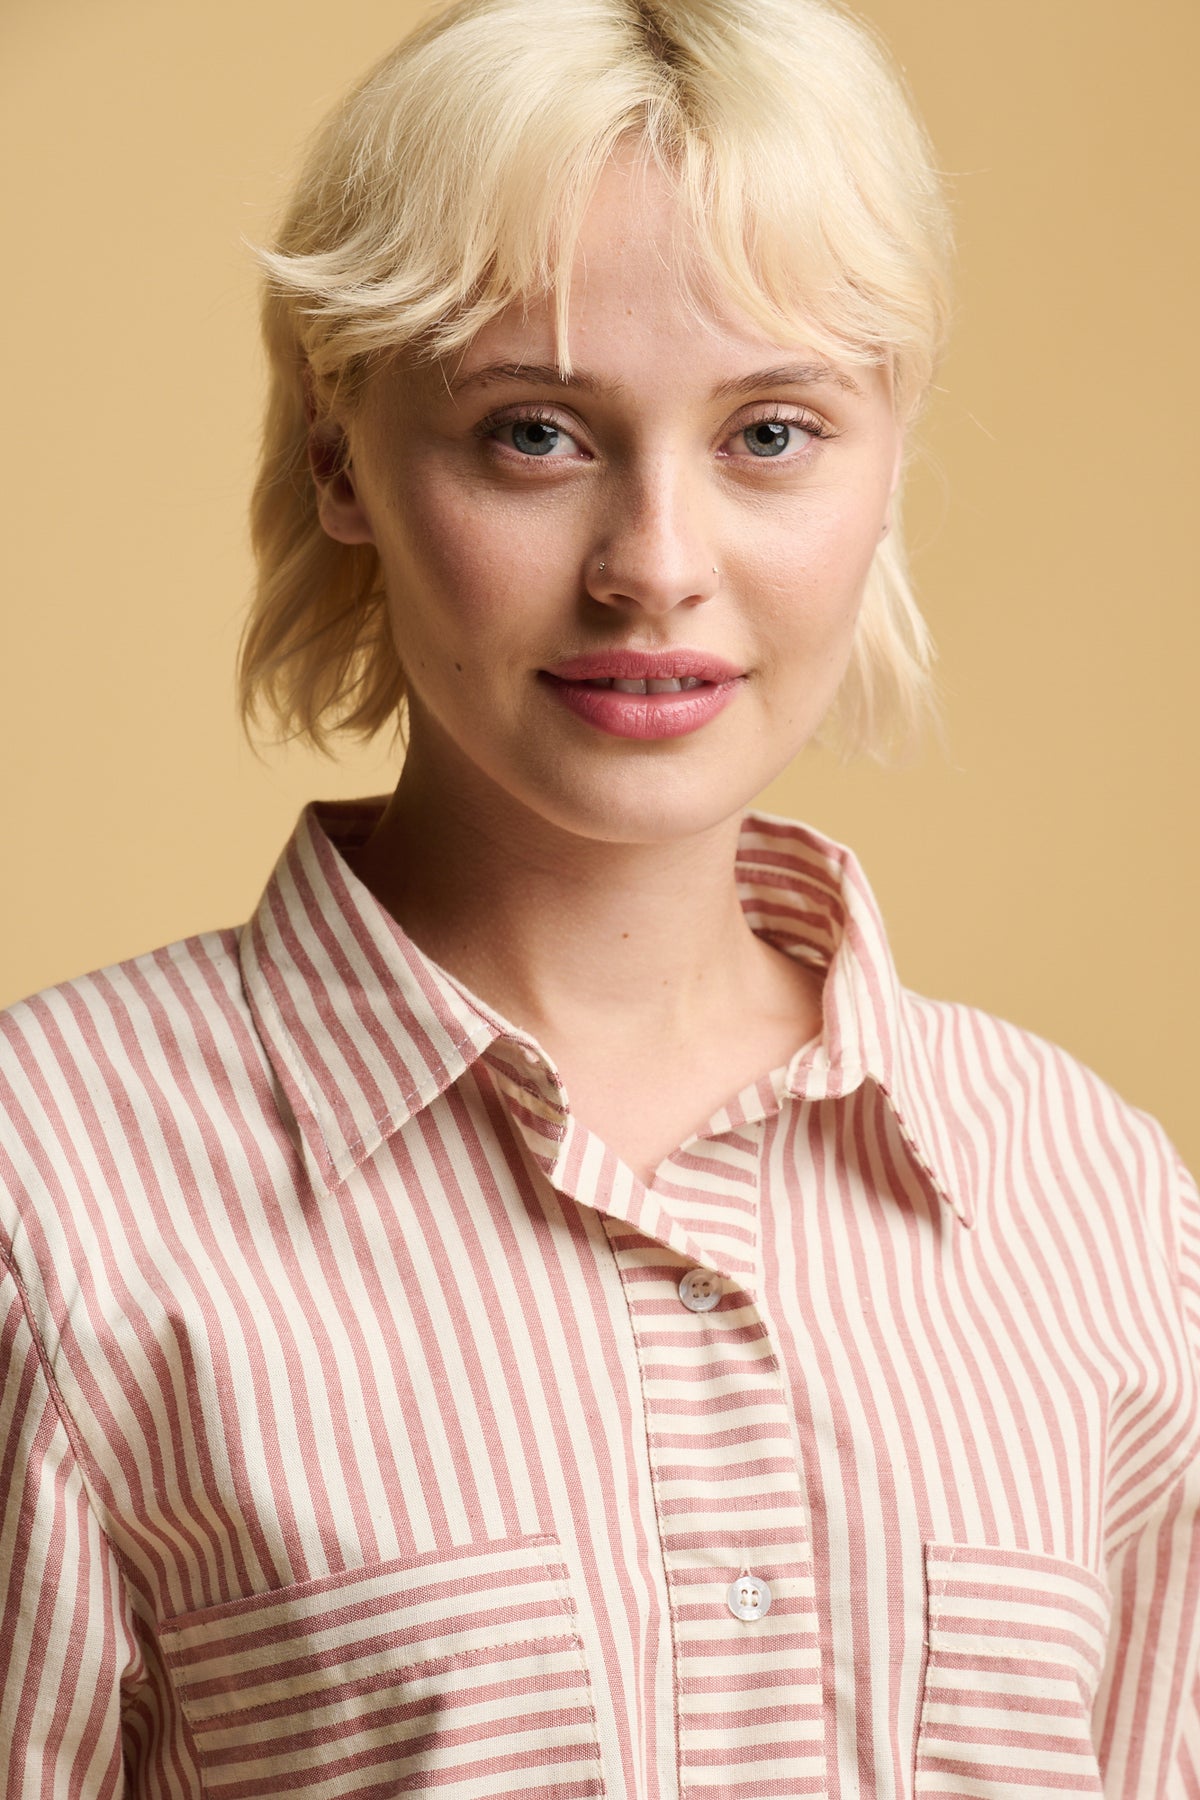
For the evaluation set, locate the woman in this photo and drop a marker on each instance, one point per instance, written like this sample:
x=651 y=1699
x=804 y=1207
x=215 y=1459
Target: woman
x=541 y=1306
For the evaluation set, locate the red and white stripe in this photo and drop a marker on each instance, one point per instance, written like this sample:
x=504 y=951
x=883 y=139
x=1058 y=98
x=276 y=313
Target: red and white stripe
x=355 y=1440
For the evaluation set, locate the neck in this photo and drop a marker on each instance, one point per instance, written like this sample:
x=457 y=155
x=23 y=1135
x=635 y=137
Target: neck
x=571 y=938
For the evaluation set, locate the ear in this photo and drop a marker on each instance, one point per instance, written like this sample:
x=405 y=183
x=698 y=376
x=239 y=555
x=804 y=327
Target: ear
x=339 y=508
x=898 y=465
x=897 y=472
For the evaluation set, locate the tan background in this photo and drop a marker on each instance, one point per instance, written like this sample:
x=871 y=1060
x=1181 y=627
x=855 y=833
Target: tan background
x=1045 y=869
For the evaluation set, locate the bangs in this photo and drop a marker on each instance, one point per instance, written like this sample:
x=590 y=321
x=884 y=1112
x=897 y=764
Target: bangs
x=794 y=176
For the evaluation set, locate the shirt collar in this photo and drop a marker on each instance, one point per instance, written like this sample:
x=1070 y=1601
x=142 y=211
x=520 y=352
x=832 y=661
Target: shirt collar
x=809 y=894
x=363 y=1030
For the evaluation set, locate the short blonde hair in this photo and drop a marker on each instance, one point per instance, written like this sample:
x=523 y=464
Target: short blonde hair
x=453 y=179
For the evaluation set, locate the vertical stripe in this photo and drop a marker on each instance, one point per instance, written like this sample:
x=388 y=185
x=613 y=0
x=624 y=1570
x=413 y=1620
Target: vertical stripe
x=356 y=1438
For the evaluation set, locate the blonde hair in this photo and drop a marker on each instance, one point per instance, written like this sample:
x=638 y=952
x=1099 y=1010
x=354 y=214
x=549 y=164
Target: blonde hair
x=453 y=179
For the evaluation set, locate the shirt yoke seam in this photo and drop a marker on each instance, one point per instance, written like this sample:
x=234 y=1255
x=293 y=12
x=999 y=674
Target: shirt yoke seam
x=74 y=1436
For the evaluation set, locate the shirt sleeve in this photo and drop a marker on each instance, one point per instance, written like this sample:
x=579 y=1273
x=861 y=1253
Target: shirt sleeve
x=1147 y=1719
x=66 y=1637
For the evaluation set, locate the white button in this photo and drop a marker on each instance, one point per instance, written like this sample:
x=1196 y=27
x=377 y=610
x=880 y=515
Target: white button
x=748 y=1597
x=700 y=1290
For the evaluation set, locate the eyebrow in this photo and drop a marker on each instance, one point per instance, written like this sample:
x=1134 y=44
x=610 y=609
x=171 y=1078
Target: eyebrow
x=799 y=374
x=796 y=374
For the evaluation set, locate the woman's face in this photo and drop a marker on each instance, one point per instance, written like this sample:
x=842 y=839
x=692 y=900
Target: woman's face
x=694 y=492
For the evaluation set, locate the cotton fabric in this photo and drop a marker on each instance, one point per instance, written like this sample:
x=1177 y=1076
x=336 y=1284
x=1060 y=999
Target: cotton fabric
x=356 y=1439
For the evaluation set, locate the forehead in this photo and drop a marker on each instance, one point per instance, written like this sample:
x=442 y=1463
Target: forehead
x=643 y=310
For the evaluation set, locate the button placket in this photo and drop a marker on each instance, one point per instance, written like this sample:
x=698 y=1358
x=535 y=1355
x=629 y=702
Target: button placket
x=736 y=1553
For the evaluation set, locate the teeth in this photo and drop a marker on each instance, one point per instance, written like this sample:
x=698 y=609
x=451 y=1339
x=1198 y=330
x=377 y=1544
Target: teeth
x=674 y=685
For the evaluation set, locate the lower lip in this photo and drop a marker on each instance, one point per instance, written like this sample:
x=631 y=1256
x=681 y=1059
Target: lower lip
x=644 y=715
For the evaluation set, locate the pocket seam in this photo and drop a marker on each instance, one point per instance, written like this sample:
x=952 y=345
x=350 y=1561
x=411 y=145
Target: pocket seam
x=434 y=1665
x=937 y=1593
x=240 y=1604
x=547 y=1568
x=179 y=1660
x=948 y=1556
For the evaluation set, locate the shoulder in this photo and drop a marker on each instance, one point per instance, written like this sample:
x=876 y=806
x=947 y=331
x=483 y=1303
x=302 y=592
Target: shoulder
x=173 y=993
x=1034 y=1124
x=983 y=1060
x=118 y=1058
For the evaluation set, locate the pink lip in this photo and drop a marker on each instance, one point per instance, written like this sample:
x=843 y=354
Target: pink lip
x=645 y=665
x=645 y=715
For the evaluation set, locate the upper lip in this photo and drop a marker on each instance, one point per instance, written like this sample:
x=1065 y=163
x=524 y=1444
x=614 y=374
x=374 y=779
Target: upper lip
x=645 y=665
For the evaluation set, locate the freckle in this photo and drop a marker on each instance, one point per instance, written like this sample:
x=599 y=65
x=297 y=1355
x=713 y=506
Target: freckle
x=458 y=666
x=624 y=934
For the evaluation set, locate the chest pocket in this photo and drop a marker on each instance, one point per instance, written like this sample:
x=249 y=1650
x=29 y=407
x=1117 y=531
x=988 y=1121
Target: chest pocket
x=1016 y=1649
x=463 y=1672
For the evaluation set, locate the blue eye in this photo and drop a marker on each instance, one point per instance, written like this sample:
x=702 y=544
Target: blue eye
x=534 y=437
x=768 y=437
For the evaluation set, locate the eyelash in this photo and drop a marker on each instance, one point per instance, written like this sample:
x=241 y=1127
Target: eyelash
x=531 y=415
x=807 y=422
x=810 y=423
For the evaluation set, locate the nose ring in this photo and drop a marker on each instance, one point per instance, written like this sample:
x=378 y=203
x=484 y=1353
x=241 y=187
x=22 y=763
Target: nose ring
x=601 y=568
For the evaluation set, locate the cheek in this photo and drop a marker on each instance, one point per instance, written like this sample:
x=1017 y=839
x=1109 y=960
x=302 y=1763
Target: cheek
x=843 y=561
x=452 y=566
x=811 y=577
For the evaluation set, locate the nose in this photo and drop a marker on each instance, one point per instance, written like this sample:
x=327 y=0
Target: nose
x=653 y=552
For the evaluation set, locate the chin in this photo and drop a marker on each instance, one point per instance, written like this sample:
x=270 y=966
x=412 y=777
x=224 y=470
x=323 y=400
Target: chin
x=646 y=806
